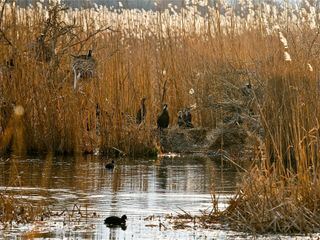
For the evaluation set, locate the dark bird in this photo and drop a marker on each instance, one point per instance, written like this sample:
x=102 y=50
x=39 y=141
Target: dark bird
x=10 y=63
x=228 y=119
x=40 y=50
x=163 y=118
x=234 y=119
x=246 y=90
x=114 y=221
x=98 y=110
x=83 y=66
x=181 y=122
x=141 y=114
x=187 y=118
x=251 y=112
x=110 y=165
x=7 y=69
x=85 y=56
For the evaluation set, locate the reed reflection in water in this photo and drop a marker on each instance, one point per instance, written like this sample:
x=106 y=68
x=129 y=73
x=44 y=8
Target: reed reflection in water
x=137 y=188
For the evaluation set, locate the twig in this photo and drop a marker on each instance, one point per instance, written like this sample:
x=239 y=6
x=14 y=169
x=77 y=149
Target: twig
x=118 y=150
x=188 y=214
x=5 y=37
x=90 y=36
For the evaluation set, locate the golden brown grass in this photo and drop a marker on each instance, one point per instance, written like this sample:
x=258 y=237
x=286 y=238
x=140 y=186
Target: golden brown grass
x=15 y=210
x=270 y=203
x=280 y=194
x=57 y=117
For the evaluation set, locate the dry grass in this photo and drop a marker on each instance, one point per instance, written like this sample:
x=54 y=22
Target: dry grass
x=163 y=66
x=17 y=207
x=269 y=203
x=14 y=210
x=281 y=194
x=161 y=56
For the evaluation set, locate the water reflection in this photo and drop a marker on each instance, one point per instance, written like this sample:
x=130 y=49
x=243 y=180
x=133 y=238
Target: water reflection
x=137 y=188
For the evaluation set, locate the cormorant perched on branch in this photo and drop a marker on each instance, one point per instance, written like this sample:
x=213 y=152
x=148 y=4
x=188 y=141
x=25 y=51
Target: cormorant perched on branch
x=187 y=118
x=141 y=114
x=84 y=56
x=10 y=63
x=163 y=118
x=83 y=66
x=181 y=122
x=246 y=90
x=40 y=50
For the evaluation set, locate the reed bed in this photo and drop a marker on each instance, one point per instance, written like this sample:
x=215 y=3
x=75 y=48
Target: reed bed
x=18 y=211
x=269 y=203
x=280 y=194
x=15 y=209
x=197 y=54
x=160 y=55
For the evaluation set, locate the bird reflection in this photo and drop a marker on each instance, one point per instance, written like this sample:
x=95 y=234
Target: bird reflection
x=122 y=227
x=113 y=234
x=162 y=176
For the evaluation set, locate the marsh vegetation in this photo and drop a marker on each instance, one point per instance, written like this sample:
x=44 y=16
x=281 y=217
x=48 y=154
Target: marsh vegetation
x=256 y=60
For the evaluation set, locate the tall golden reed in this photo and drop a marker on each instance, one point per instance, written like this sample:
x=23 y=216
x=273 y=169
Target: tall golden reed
x=161 y=55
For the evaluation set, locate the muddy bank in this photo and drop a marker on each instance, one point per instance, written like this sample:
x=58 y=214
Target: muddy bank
x=227 y=140
x=202 y=139
x=184 y=140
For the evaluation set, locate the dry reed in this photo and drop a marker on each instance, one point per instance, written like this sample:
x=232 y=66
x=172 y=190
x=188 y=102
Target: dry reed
x=281 y=193
x=214 y=50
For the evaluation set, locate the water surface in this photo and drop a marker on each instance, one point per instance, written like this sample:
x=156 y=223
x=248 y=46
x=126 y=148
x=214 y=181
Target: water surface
x=138 y=188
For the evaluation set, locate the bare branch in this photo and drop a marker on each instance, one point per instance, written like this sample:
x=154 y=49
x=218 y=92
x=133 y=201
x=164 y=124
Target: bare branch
x=91 y=35
x=3 y=35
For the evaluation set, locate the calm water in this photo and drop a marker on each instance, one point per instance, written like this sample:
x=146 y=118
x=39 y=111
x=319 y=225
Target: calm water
x=137 y=188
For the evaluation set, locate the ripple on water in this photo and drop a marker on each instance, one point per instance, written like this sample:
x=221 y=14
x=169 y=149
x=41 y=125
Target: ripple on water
x=137 y=188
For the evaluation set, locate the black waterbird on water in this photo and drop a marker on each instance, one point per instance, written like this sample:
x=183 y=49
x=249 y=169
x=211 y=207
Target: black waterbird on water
x=114 y=221
x=110 y=165
x=141 y=114
x=163 y=118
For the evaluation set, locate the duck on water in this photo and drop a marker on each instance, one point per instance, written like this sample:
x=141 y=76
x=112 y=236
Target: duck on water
x=114 y=221
x=110 y=166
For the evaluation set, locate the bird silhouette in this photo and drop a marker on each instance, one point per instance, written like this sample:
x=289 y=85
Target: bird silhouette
x=110 y=166
x=114 y=221
x=187 y=118
x=181 y=122
x=163 y=118
x=40 y=51
x=83 y=66
x=246 y=90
